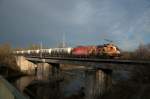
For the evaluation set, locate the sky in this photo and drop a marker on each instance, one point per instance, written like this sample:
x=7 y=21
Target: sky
x=83 y=22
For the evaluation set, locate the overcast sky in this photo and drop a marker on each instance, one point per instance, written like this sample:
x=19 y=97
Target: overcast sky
x=84 y=22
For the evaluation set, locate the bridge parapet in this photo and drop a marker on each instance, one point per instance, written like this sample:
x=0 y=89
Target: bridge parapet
x=7 y=91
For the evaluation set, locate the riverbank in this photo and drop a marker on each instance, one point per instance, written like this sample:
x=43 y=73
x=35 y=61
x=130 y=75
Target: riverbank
x=11 y=74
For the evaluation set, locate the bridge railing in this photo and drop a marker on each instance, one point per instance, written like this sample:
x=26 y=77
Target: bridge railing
x=7 y=91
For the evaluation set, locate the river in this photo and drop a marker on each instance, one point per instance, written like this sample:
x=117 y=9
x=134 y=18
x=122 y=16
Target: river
x=69 y=84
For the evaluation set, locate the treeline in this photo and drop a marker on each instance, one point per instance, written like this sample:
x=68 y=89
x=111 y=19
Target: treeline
x=8 y=65
x=30 y=47
x=137 y=86
x=141 y=53
x=6 y=57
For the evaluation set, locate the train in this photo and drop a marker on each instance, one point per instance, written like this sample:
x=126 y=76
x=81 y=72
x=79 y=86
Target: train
x=108 y=50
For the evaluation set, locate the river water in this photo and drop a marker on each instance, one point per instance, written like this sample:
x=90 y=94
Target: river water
x=69 y=84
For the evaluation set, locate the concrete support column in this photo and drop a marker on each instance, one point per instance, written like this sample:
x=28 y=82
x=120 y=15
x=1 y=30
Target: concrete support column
x=97 y=83
x=25 y=65
x=41 y=70
x=103 y=82
x=55 y=69
x=35 y=68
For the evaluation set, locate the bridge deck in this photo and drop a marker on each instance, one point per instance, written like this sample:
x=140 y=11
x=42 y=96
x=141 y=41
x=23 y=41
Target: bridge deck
x=87 y=62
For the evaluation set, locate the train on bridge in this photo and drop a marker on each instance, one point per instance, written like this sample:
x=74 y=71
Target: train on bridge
x=100 y=51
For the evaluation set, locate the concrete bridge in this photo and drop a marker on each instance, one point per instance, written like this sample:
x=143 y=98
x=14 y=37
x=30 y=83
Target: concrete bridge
x=103 y=67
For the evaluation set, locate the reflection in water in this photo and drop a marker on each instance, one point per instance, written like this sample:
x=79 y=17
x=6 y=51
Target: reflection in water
x=89 y=84
x=77 y=84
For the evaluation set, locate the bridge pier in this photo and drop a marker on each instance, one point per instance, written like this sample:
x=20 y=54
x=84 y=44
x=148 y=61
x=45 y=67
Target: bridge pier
x=35 y=68
x=97 y=83
x=103 y=81
x=55 y=70
x=25 y=65
x=41 y=70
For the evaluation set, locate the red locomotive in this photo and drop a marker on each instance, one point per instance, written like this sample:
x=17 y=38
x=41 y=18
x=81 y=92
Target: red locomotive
x=106 y=50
